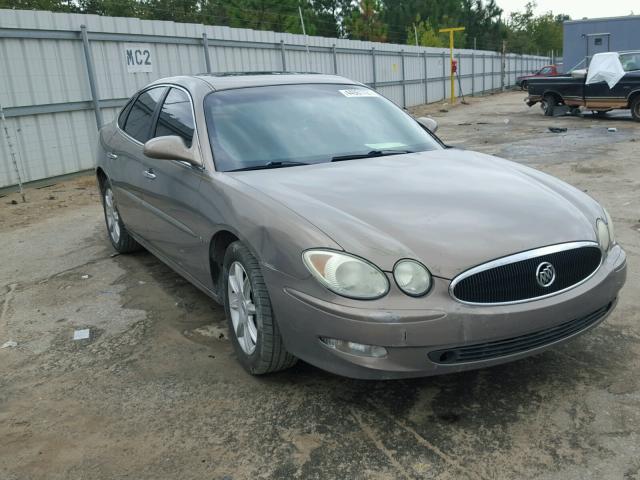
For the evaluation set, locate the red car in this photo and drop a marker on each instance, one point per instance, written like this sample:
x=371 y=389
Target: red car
x=546 y=71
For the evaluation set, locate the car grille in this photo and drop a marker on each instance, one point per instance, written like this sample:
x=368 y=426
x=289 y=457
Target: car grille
x=522 y=343
x=517 y=281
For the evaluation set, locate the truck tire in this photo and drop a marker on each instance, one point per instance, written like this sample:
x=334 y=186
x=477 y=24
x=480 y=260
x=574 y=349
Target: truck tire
x=523 y=85
x=548 y=104
x=253 y=328
x=635 y=108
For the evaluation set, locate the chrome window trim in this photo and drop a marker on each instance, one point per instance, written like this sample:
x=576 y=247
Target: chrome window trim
x=518 y=257
x=196 y=137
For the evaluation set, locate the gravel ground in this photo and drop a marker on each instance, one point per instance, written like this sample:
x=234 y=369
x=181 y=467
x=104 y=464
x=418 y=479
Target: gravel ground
x=155 y=392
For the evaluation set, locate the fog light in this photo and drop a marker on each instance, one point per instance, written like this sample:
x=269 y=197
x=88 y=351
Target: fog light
x=354 y=348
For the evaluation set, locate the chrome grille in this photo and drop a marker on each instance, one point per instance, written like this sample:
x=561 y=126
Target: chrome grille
x=520 y=277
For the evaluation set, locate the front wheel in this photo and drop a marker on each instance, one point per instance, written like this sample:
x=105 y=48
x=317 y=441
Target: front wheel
x=548 y=105
x=254 y=332
x=635 y=108
x=523 y=85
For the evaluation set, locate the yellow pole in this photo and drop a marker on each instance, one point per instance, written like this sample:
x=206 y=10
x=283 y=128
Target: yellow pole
x=451 y=31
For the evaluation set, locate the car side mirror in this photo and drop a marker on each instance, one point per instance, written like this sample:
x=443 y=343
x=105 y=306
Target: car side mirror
x=428 y=123
x=170 y=147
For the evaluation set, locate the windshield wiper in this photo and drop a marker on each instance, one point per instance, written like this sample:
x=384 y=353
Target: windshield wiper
x=371 y=154
x=278 y=164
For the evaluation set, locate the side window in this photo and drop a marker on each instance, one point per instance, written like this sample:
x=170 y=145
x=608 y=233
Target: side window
x=176 y=117
x=141 y=115
x=545 y=71
x=123 y=114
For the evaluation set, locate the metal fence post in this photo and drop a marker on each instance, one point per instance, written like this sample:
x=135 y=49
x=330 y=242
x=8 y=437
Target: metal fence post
x=335 y=59
x=404 y=84
x=373 y=66
x=473 y=73
x=460 y=85
x=444 y=76
x=284 y=58
x=426 y=77
x=205 y=45
x=484 y=72
x=91 y=72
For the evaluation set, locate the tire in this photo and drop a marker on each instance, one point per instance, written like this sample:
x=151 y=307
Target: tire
x=548 y=105
x=523 y=85
x=116 y=230
x=255 y=336
x=635 y=108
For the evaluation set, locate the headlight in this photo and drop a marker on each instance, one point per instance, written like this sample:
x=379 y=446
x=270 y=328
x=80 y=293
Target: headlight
x=412 y=277
x=603 y=234
x=606 y=234
x=612 y=233
x=346 y=275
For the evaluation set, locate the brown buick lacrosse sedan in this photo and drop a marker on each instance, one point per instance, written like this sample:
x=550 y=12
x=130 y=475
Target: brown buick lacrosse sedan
x=337 y=229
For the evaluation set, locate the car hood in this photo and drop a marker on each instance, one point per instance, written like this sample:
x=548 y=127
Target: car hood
x=449 y=209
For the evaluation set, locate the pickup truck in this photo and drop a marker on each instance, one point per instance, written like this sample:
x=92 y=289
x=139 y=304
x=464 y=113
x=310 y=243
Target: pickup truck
x=546 y=71
x=612 y=82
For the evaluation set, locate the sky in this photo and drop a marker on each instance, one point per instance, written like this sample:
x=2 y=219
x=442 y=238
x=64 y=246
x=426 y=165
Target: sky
x=577 y=9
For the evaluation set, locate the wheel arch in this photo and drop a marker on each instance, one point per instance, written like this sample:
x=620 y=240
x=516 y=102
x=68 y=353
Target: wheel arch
x=101 y=177
x=633 y=95
x=554 y=94
x=218 y=244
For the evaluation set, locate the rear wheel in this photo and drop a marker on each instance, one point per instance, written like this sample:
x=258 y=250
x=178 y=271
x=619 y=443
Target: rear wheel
x=118 y=234
x=635 y=108
x=548 y=105
x=523 y=85
x=254 y=330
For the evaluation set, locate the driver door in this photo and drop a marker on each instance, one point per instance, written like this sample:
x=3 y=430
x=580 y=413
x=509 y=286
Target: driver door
x=172 y=192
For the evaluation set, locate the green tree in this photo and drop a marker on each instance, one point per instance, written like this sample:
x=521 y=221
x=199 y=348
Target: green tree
x=50 y=5
x=365 y=22
x=427 y=35
x=528 y=33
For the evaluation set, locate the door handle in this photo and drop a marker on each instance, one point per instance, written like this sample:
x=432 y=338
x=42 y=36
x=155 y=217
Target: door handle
x=112 y=156
x=149 y=174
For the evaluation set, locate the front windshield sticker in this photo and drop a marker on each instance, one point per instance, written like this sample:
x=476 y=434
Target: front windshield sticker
x=360 y=92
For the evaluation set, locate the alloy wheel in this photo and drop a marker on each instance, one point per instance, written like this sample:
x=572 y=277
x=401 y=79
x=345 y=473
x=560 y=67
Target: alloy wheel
x=113 y=218
x=242 y=308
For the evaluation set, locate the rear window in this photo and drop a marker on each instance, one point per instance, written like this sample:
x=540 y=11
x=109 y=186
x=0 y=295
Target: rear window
x=176 y=117
x=139 y=120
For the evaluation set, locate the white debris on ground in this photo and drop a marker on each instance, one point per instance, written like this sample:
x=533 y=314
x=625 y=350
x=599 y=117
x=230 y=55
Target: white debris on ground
x=81 y=334
x=9 y=344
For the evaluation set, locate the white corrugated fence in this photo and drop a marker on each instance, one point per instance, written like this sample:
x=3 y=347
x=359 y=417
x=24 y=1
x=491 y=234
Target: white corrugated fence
x=52 y=110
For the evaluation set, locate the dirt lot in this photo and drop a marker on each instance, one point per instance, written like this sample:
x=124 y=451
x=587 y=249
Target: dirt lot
x=156 y=393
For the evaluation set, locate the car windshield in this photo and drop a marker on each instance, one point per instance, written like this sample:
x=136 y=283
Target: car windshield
x=630 y=61
x=289 y=125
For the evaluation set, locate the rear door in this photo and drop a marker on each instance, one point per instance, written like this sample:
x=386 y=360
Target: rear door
x=173 y=196
x=128 y=173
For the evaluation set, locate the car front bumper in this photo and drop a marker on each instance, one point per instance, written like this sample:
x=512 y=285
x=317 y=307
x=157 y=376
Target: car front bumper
x=415 y=337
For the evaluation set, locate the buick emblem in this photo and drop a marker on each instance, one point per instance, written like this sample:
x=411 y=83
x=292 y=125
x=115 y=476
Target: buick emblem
x=545 y=274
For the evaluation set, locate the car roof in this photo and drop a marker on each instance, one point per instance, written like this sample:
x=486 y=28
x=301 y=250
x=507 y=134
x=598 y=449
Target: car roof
x=226 y=81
